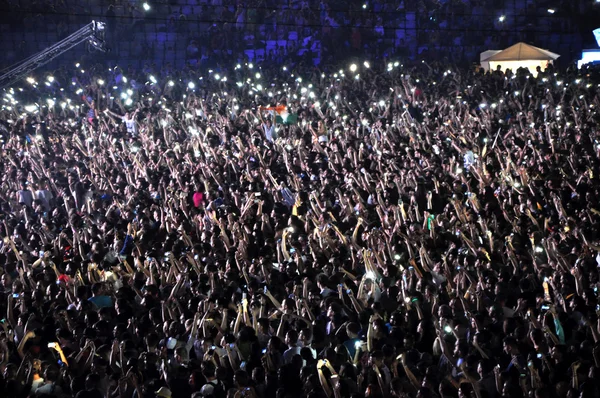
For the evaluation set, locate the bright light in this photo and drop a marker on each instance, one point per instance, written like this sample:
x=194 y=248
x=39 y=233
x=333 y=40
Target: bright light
x=77 y=65
x=370 y=275
x=364 y=6
x=284 y=68
x=128 y=102
x=353 y=68
x=551 y=10
x=50 y=102
x=259 y=87
x=124 y=79
x=30 y=108
x=152 y=79
x=502 y=18
x=30 y=80
x=191 y=85
x=217 y=77
x=171 y=83
x=51 y=79
x=539 y=249
x=381 y=103
x=257 y=75
x=366 y=64
x=100 y=82
x=146 y=7
x=250 y=66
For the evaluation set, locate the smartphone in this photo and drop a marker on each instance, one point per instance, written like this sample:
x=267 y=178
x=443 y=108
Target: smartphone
x=264 y=351
x=348 y=291
x=214 y=347
x=16 y=295
x=539 y=356
x=51 y=345
x=41 y=253
x=292 y=250
x=244 y=296
x=546 y=308
x=265 y=290
x=232 y=345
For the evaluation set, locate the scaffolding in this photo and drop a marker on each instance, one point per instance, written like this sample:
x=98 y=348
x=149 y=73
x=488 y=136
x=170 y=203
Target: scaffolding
x=93 y=33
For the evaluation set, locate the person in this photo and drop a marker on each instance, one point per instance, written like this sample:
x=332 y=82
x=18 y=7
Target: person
x=24 y=195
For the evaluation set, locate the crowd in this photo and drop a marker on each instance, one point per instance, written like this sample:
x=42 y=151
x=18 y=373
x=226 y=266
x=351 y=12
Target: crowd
x=212 y=31
x=369 y=230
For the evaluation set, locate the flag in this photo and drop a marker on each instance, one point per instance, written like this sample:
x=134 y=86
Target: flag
x=281 y=114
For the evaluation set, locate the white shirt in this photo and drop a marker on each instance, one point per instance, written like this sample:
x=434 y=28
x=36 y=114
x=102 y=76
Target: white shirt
x=45 y=197
x=131 y=125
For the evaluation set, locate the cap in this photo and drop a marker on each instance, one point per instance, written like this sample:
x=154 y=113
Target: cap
x=163 y=392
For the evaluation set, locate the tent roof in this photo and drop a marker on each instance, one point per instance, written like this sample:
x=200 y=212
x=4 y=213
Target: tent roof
x=522 y=51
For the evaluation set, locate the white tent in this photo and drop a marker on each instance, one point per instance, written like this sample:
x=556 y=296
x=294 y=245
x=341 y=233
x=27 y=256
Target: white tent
x=520 y=55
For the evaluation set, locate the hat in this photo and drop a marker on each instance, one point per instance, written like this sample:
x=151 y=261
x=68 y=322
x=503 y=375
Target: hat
x=163 y=392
